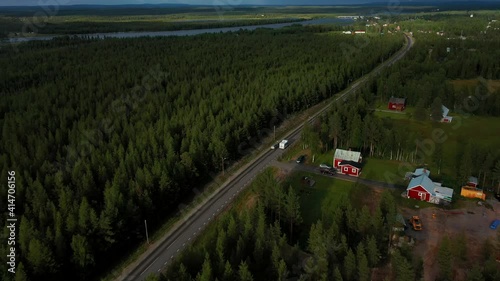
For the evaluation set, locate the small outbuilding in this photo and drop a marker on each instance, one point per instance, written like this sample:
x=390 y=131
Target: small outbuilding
x=472 y=182
x=398 y=104
x=446 y=118
x=472 y=192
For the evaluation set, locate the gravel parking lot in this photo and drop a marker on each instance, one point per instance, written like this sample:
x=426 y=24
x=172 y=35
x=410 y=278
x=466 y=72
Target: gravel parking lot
x=473 y=221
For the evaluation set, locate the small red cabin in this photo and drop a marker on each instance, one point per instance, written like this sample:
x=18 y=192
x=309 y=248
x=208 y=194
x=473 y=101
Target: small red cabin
x=398 y=104
x=350 y=168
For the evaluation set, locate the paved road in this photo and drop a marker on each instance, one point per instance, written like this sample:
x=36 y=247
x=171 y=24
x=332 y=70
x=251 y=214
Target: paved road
x=157 y=258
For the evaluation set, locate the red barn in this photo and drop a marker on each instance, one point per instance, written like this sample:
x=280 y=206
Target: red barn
x=350 y=168
x=398 y=104
x=472 y=182
x=345 y=155
x=420 y=188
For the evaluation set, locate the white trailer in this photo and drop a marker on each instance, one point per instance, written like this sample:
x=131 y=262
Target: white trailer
x=283 y=144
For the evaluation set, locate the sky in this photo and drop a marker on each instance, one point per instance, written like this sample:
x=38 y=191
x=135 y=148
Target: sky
x=192 y=2
x=198 y=2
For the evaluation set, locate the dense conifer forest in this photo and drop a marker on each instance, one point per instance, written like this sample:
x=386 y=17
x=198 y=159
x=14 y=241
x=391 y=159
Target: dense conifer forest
x=103 y=134
x=261 y=242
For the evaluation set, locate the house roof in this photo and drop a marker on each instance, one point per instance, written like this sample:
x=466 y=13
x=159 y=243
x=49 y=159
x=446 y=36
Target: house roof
x=473 y=180
x=421 y=171
x=397 y=100
x=351 y=163
x=444 y=191
x=347 y=155
x=424 y=181
x=445 y=111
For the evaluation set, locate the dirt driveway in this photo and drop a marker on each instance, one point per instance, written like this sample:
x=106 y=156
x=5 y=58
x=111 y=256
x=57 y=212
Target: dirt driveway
x=473 y=221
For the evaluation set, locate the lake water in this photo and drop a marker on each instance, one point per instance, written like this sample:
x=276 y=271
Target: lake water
x=185 y=32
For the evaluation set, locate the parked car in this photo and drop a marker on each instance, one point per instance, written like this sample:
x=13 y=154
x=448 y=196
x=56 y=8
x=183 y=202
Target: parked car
x=301 y=159
x=495 y=224
x=325 y=166
x=274 y=146
x=329 y=172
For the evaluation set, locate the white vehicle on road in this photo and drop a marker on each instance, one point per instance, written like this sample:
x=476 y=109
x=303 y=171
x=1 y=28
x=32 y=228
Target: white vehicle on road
x=283 y=144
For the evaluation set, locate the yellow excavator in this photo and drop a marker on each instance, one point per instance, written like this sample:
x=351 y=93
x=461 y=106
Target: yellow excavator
x=415 y=223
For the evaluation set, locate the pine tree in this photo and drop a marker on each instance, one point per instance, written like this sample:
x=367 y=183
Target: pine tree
x=206 y=270
x=372 y=251
x=445 y=260
x=292 y=209
x=475 y=274
x=244 y=273
x=220 y=249
x=350 y=266
x=82 y=256
x=337 y=274
x=282 y=270
x=20 y=273
x=363 y=269
x=437 y=110
x=228 y=272
x=420 y=114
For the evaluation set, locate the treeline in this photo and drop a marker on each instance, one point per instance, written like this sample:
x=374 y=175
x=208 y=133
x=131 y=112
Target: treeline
x=453 y=255
x=103 y=134
x=13 y=25
x=256 y=243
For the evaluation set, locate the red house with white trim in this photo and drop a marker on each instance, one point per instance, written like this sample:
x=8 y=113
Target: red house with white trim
x=420 y=188
x=350 y=168
x=345 y=155
x=398 y=104
x=424 y=189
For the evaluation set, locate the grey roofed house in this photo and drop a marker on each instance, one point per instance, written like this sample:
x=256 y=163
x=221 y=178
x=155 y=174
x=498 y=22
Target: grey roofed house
x=424 y=181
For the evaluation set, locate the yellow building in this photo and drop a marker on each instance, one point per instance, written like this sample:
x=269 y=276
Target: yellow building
x=472 y=192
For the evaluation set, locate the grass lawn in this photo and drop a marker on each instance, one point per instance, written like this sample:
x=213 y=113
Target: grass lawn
x=483 y=132
x=384 y=170
x=326 y=192
x=393 y=115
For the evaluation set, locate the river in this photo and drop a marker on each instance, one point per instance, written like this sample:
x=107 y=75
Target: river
x=20 y=39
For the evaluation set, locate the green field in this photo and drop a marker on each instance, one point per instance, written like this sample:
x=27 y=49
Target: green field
x=481 y=132
x=384 y=170
x=327 y=192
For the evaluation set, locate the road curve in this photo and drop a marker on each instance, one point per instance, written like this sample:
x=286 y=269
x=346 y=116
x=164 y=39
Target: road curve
x=159 y=256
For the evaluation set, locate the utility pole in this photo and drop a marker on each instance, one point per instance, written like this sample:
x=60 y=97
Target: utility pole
x=274 y=133
x=146 y=226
